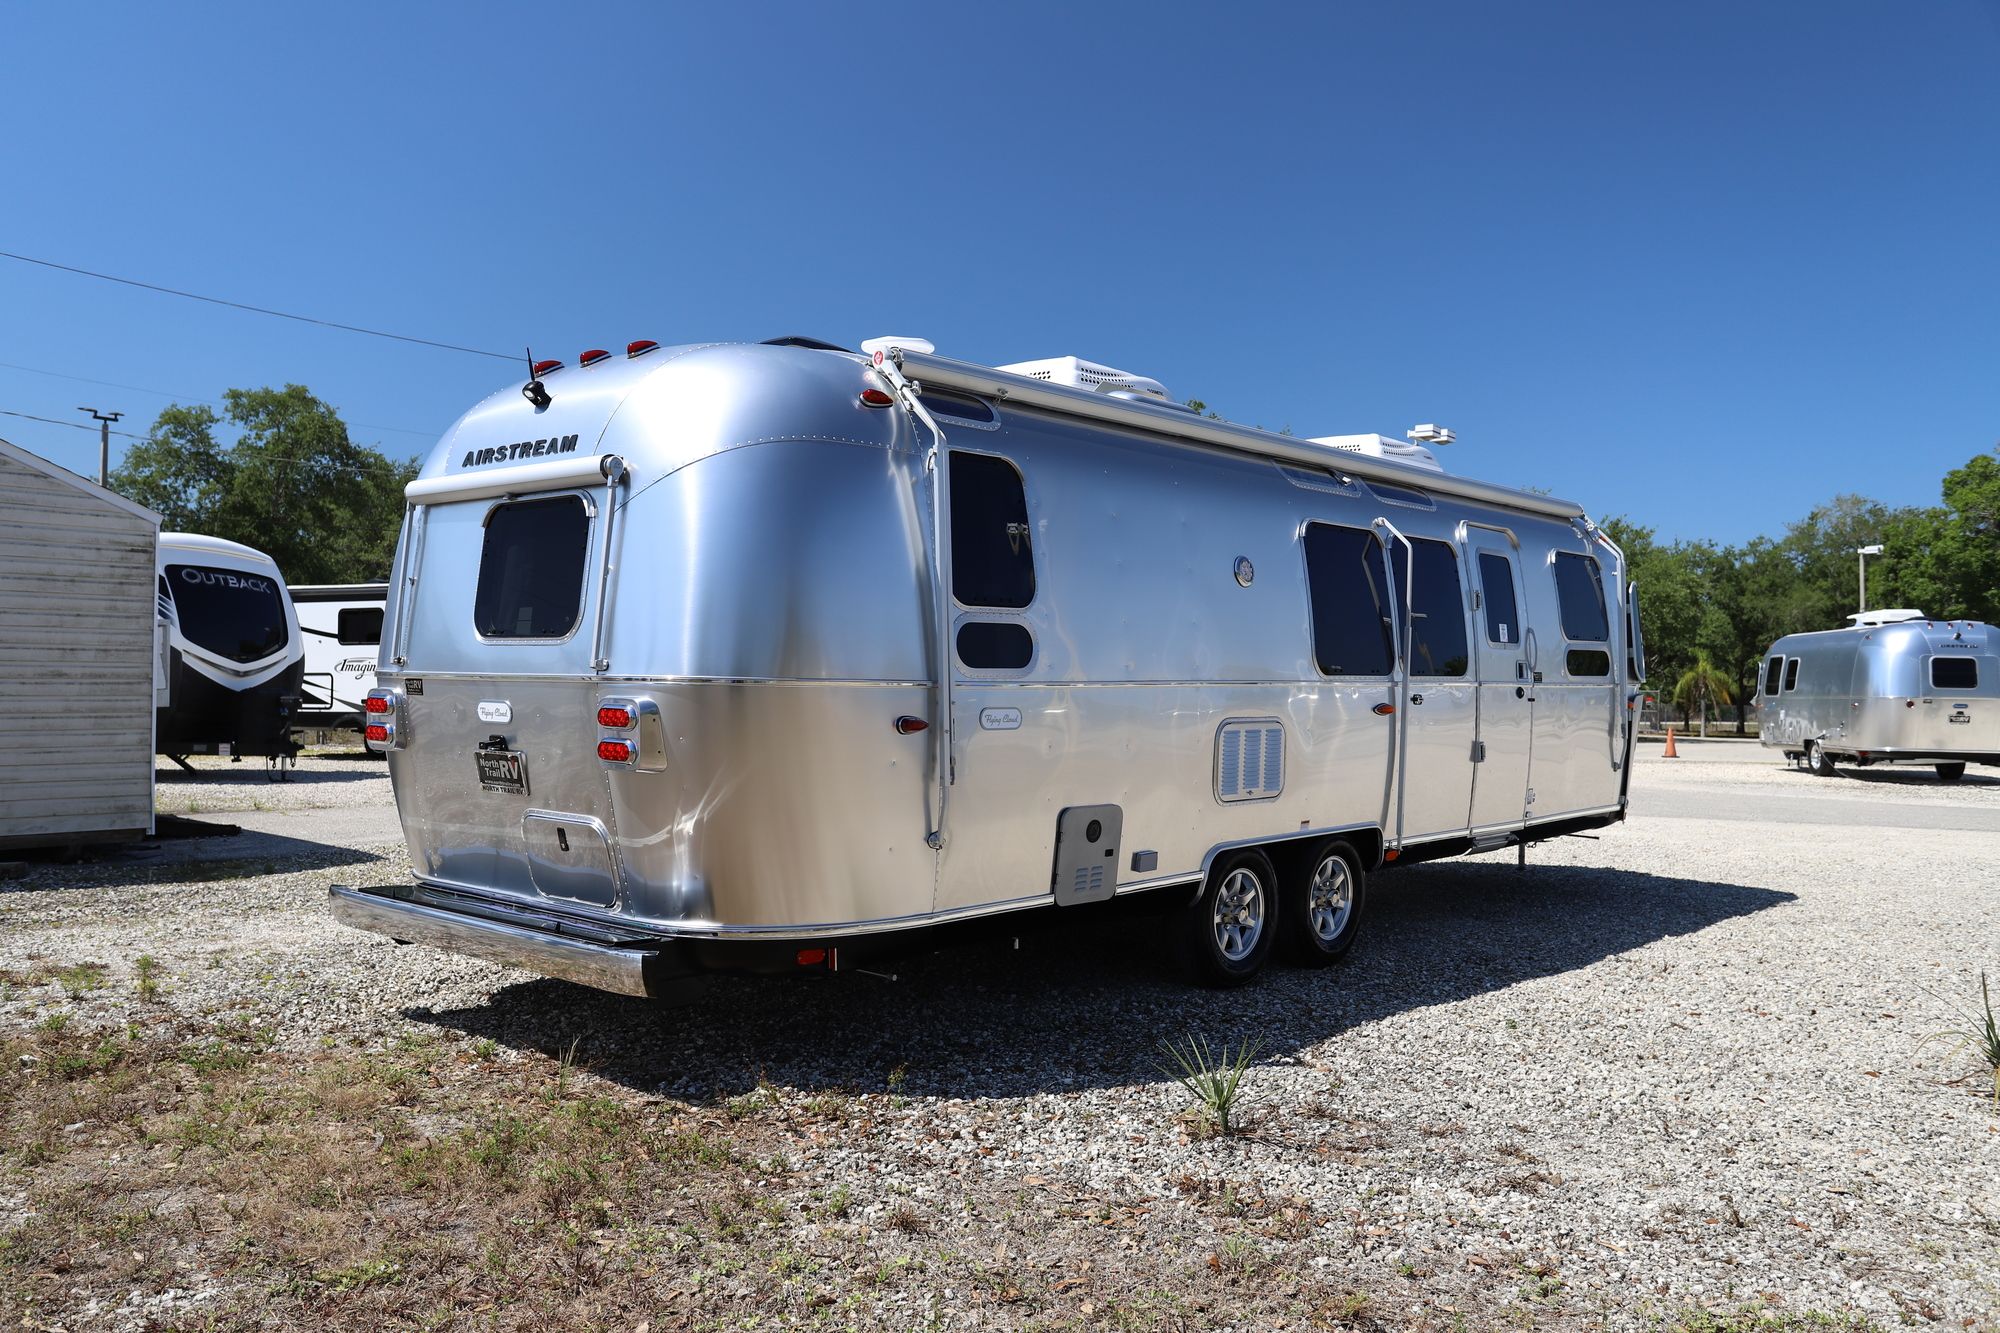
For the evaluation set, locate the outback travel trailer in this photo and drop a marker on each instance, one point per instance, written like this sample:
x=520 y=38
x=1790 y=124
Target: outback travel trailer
x=341 y=627
x=76 y=658
x=1895 y=688
x=778 y=656
x=230 y=659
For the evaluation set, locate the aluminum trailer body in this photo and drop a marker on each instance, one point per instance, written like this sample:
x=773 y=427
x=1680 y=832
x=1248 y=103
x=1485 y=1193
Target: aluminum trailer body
x=341 y=630
x=1912 y=692
x=765 y=656
x=230 y=659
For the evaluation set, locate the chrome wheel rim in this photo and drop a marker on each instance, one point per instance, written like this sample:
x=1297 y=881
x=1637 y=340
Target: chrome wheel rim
x=1239 y=914
x=1330 y=899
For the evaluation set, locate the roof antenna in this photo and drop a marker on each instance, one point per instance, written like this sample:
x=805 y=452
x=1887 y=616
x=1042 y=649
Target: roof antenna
x=533 y=390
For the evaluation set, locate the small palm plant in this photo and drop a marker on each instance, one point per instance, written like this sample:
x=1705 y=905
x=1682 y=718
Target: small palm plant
x=1979 y=1034
x=1212 y=1080
x=1699 y=686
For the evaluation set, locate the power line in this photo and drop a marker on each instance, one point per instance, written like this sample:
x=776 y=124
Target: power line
x=256 y=309
x=190 y=398
x=73 y=425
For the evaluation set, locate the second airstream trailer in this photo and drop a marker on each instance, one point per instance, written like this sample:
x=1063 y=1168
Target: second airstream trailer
x=772 y=656
x=227 y=677
x=1895 y=688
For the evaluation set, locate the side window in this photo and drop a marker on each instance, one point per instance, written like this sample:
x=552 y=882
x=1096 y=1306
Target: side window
x=992 y=561
x=1496 y=586
x=1437 y=610
x=1773 y=671
x=1792 y=673
x=359 y=625
x=1954 y=673
x=1349 y=586
x=1580 y=590
x=531 y=569
x=995 y=645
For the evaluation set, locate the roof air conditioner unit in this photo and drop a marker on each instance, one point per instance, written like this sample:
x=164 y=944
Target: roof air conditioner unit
x=1076 y=373
x=1381 y=446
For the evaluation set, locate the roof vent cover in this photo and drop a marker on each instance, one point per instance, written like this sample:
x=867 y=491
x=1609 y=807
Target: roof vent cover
x=1076 y=373
x=1381 y=446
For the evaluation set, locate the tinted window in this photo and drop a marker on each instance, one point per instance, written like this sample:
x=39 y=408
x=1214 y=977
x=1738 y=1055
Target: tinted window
x=1437 y=610
x=993 y=645
x=1350 y=601
x=1792 y=674
x=992 y=561
x=1954 y=673
x=1581 y=592
x=958 y=405
x=1588 y=662
x=231 y=612
x=359 y=624
x=1496 y=584
x=531 y=569
x=1772 y=671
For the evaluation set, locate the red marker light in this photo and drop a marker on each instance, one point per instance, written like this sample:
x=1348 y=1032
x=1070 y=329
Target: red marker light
x=1385 y=709
x=616 y=718
x=615 y=752
x=377 y=732
x=544 y=367
x=875 y=398
x=811 y=957
x=592 y=357
x=910 y=726
x=639 y=347
x=376 y=704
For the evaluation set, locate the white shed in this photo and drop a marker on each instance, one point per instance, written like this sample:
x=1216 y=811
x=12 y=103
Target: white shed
x=78 y=615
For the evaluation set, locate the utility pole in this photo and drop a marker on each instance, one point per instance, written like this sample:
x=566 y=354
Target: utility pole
x=1861 y=554
x=104 y=420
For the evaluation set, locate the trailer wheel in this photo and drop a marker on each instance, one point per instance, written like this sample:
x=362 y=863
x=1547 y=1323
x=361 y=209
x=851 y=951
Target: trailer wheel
x=1818 y=761
x=1226 y=934
x=1322 y=909
x=1950 y=772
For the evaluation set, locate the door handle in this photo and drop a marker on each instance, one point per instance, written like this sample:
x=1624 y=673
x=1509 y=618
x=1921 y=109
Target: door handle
x=1416 y=698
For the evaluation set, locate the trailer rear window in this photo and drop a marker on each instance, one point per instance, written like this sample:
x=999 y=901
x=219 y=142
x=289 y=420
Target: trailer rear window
x=531 y=569
x=1437 y=608
x=230 y=612
x=1791 y=673
x=1349 y=585
x=1580 y=589
x=992 y=559
x=1954 y=673
x=359 y=625
x=1774 y=670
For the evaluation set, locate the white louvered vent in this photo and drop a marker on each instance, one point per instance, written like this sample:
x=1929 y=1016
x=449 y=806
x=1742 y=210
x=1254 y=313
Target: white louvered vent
x=1250 y=759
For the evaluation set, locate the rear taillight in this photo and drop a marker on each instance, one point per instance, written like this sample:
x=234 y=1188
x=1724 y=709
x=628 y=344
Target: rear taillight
x=643 y=746
x=376 y=704
x=377 y=732
x=613 y=751
x=384 y=710
x=615 y=716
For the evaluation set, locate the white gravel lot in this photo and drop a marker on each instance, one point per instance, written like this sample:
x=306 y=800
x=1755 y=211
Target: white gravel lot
x=1675 y=1066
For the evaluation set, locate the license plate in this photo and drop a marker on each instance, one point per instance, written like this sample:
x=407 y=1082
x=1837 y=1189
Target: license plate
x=502 y=770
x=1966 y=718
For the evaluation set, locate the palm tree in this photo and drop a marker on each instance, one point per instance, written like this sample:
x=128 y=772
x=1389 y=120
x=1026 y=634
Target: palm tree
x=1701 y=685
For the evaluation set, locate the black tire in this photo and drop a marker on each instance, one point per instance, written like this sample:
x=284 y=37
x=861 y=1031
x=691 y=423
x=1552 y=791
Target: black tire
x=1225 y=935
x=1323 y=906
x=1818 y=760
x=1950 y=772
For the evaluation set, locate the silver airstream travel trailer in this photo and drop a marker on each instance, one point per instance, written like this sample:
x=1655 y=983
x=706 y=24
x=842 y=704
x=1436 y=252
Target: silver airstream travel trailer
x=770 y=656
x=340 y=625
x=227 y=677
x=1895 y=688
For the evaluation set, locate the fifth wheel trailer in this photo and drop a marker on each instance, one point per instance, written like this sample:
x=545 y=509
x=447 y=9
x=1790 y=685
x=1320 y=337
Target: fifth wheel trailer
x=1895 y=688
x=777 y=655
x=76 y=657
x=340 y=625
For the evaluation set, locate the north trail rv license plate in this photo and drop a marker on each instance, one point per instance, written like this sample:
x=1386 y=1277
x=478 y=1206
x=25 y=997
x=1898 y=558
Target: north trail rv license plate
x=502 y=771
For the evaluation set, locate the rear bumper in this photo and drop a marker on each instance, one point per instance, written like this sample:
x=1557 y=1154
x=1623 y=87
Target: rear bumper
x=534 y=942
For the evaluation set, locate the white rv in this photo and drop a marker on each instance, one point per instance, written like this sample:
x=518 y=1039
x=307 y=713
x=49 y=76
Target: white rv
x=342 y=628
x=779 y=656
x=227 y=675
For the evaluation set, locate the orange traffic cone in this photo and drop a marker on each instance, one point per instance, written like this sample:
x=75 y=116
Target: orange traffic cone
x=1670 y=752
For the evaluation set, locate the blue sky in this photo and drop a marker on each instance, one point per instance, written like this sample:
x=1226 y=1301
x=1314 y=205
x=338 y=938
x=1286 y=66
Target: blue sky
x=1703 y=264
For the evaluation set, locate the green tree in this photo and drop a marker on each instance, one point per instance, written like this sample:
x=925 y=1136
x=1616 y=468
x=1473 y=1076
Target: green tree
x=1701 y=685
x=293 y=484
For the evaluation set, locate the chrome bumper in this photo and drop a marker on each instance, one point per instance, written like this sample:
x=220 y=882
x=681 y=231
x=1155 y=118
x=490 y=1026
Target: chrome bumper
x=606 y=967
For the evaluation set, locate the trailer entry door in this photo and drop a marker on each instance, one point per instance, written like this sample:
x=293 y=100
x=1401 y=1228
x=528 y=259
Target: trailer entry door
x=1504 y=735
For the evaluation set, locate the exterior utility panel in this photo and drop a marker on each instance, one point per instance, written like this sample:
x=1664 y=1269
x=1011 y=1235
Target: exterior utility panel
x=660 y=682
x=1916 y=691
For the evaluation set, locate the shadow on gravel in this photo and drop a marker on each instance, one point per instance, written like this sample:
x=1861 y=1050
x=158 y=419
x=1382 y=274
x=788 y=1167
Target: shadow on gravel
x=1089 y=1008
x=196 y=861
x=1915 y=777
x=250 y=773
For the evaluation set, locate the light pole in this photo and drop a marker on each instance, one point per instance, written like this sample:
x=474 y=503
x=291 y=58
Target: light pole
x=104 y=420
x=1861 y=554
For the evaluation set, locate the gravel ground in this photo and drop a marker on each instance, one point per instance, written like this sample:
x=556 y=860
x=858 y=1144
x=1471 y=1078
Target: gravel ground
x=1675 y=1067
